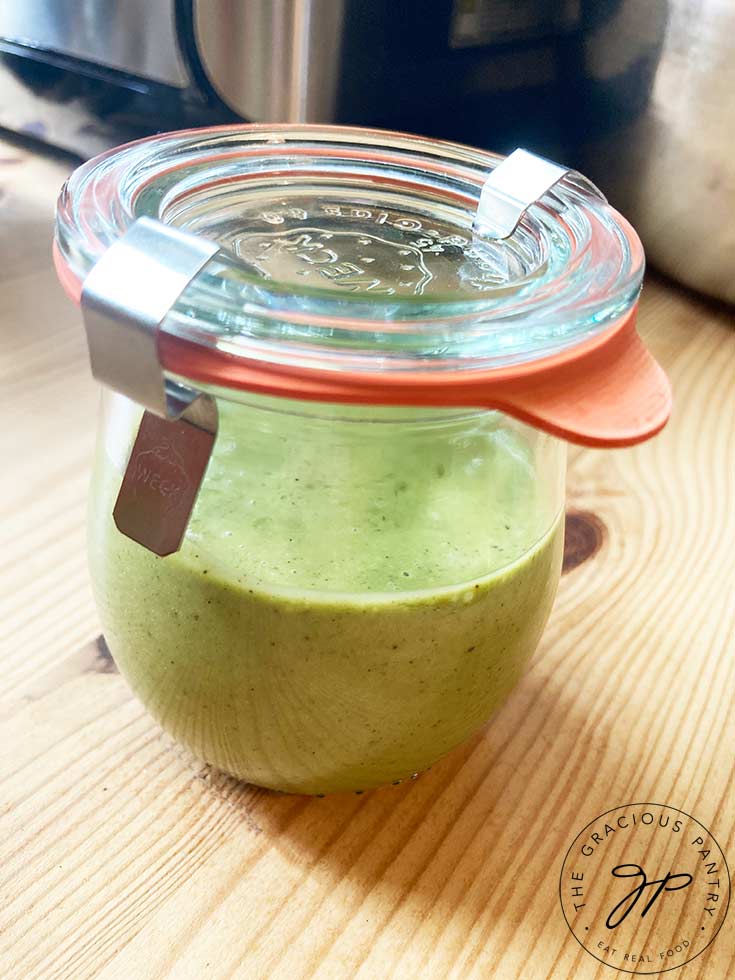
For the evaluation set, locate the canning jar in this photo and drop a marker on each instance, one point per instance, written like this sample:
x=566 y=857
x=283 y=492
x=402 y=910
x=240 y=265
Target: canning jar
x=339 y=574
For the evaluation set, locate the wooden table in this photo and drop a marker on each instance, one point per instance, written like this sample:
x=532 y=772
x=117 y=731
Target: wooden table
x=122 y=856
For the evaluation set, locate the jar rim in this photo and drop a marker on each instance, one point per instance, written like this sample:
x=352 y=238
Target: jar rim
x=472 y=315
x=584 y=274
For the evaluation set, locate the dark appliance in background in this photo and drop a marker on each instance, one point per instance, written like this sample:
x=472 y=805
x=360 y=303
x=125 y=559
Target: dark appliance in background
x=634 y=93
x=494 y=73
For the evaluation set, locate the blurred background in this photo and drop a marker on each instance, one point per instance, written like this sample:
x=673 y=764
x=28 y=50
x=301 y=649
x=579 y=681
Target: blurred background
x=638 y=94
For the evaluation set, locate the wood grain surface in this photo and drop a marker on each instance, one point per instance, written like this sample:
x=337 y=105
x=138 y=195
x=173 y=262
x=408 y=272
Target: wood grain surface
x=123 y=856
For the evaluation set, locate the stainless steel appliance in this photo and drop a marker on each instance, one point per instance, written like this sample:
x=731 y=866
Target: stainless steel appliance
x=637 y=93
x=86 y=75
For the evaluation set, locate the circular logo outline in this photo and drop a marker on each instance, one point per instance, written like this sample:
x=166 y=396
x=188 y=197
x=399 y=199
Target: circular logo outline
x=667 y=969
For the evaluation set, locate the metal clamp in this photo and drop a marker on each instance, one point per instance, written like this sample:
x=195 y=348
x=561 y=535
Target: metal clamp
x=514 y=185
x=125 y=299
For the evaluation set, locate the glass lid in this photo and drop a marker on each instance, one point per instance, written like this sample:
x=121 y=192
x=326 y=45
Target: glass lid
x=353 y=249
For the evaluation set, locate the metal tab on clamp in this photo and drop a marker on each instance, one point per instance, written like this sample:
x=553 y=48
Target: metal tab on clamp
x=125 y=298
x=514 y=185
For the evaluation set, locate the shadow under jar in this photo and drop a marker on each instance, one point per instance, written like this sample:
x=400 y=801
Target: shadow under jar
x=376 y=543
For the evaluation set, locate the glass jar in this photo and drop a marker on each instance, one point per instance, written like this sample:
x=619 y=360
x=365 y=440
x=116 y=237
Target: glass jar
x=357 y=590
x=376 y=542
